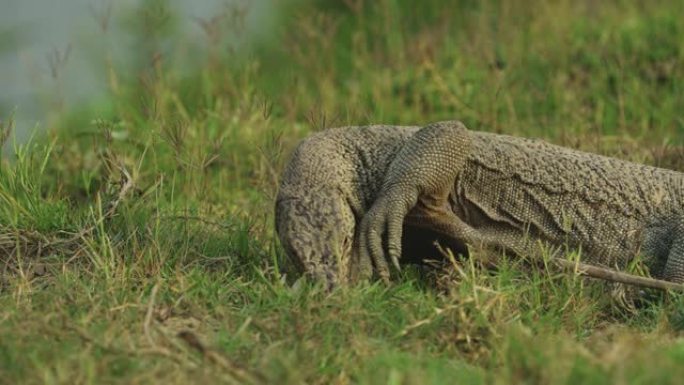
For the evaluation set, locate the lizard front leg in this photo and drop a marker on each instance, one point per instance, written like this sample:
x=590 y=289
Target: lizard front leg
x=424 y=170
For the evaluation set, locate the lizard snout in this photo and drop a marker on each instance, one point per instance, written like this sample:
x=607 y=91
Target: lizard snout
x=317 y=231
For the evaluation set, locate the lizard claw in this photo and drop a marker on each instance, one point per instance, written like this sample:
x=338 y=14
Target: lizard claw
x=370 y=246
x=395 y=262
x=383 y=221
x=394 y=228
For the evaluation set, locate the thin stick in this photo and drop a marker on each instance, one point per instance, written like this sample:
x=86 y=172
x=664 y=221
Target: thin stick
x=148 y=315
x=617 y=276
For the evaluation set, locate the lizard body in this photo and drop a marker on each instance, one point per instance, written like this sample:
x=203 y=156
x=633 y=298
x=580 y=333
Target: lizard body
x=349 y=195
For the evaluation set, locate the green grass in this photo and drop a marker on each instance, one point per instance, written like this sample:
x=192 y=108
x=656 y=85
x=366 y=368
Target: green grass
x=180 y=278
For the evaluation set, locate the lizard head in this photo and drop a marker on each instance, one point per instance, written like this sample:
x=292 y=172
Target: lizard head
x=316 y=230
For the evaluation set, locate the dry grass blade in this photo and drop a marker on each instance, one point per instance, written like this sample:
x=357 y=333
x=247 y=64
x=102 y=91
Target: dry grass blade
x=240 y=374
x=6 y=129
x=34 y=244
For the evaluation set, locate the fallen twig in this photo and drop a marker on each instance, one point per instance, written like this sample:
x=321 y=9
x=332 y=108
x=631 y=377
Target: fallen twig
x=598 y=272
x=617 y=276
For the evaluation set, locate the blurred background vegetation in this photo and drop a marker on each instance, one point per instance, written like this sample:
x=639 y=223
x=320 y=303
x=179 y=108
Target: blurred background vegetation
x=136 y=224
x=208 y=81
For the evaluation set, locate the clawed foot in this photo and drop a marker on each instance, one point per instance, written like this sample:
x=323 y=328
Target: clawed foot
x=384 y=221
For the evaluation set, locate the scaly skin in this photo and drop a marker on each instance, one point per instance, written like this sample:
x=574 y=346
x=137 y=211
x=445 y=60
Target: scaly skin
x=349 y=195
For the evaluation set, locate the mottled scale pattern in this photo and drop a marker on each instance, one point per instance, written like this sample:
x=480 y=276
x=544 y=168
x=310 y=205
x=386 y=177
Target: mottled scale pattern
x=501 y=190
x=327 y=186
x=605 y=205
